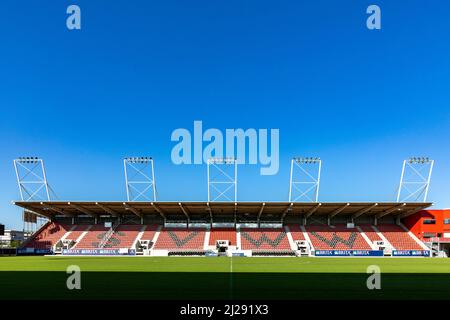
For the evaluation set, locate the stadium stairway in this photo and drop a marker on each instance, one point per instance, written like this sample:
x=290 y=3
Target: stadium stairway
x=123 y=237
x=417 y=240
x=76 y=232
x=91 y=239
x=150 y=232
x=290 y=239
x=156 y=234
x=206 y=240
x=139 y=236
x=371 y=233
x=82 y=235
x=295 y=233
x=238 y=239
x=307 y=238
x=397 y=237
x=64 y=237
x=363 y=234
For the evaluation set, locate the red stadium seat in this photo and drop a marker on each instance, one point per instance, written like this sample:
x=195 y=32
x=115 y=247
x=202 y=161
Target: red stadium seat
x=149 y=232
x=181 y=238
x=323 y=237
x=370 y=232
x=296 y=232
x=77 y=232
x=92 y=239
x=267 y=239
x=399 y=238
x=222 y=234
x=339 y=237
x=48 y=236
x=123 y=236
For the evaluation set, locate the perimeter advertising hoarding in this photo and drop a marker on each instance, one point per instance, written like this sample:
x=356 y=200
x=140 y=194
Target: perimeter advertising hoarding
x=347 y=253
x=411 y=253
x=99 y=252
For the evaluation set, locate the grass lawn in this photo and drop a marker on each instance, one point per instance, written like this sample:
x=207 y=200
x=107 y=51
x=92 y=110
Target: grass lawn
x=223 y=278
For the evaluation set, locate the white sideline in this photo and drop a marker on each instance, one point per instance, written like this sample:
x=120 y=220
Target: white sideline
x=289 y=236
x=365 y=237
x=413 y=236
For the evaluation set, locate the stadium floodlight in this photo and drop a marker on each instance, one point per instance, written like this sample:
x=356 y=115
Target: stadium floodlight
x=140 y=178
x=31 y=179
x=222 y=179
x=305 y=179
x=415 y=179
x=33 y=186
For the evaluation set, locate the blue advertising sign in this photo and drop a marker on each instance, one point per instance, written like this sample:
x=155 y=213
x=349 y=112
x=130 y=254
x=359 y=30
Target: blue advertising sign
x=349 y=253
x=411 y=253
x=99 y=252
x=33 y=251
x=238 y=254
x=211 y=254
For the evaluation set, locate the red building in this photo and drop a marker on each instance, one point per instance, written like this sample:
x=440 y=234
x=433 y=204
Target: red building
x=431 y=226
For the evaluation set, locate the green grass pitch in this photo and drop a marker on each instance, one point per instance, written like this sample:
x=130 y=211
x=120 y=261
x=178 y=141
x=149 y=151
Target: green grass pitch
x=223 y=278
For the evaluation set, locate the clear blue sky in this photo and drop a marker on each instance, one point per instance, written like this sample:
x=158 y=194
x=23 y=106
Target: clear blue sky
x=361 y=100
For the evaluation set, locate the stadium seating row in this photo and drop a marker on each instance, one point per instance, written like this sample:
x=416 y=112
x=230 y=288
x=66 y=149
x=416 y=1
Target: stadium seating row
x=321 y=237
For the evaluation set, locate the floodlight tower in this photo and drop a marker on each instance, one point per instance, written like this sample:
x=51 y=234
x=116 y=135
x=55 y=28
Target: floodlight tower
x=415 y=179
x=33 y=186
x=305 y=179
x=222 y=179
x=31 y=179
x=140 y=178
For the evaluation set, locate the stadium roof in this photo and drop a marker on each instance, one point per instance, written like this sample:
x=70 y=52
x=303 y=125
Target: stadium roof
x=258 y=209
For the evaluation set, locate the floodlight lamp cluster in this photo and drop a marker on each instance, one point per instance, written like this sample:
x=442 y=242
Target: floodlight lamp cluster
x=138 y=159
x=306 y=160
x=417 y=160
x=228 y=160
x=28 y=159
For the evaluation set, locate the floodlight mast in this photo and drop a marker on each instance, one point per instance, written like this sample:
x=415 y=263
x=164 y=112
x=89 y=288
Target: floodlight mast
x=223 y=183
x=33 y=186
x=305 y=166
x=31 y=179
x=140 y=178
x=420 y=181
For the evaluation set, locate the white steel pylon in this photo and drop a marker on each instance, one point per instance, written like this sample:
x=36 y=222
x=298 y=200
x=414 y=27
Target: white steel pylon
x=222 y=179
x=415 y=179
x=31 y=179
x=33 y=186
x=305 y=179
x=140 y=178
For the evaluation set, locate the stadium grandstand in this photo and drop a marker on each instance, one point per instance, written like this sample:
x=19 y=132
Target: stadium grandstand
x=236 y=228
x=281 y=228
